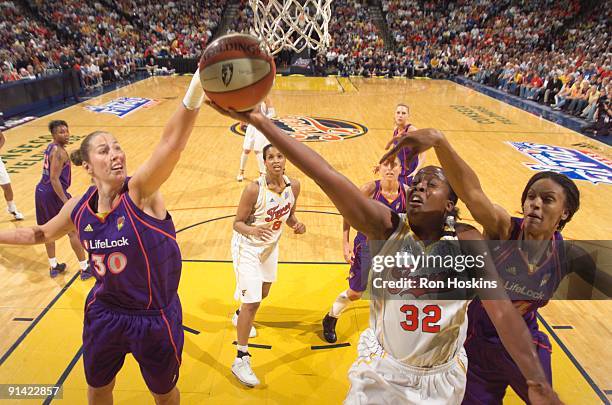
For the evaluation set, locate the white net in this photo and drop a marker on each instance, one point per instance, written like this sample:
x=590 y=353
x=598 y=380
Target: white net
x=292 y=24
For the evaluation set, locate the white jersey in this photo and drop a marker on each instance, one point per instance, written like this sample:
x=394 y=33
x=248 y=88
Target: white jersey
x=272 y=210
x=418 y=332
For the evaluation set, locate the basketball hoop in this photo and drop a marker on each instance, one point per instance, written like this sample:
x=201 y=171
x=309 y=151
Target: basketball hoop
x=292 y=24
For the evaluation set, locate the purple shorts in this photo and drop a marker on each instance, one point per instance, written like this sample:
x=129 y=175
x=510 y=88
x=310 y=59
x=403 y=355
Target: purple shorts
x=48 y=204
x=154 y=337
x=360 y=269
x=491 y=370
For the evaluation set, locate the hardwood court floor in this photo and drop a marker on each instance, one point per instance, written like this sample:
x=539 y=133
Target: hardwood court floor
x=202 y=195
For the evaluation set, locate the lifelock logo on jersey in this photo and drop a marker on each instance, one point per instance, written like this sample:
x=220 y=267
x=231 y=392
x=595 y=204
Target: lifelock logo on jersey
x=106 y=244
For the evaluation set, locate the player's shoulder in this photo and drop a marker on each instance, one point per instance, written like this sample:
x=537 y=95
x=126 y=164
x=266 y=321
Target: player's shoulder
x=369 y=188
x=467 y=232
x=252 y=187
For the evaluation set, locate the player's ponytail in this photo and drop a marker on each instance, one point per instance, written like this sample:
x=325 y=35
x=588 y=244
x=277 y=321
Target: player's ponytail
x=76 y=157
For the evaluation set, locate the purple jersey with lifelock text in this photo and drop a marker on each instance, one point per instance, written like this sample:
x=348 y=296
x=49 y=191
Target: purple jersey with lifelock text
x=136 y=258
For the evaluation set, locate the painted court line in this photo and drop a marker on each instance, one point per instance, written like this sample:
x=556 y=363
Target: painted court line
x=255 y=345
x=38 y=318
x=334 y=346
x=569 y=354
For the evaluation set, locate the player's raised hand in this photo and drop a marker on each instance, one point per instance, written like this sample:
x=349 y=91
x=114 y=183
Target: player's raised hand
x=299 y=228
x=542 y=394
x=262 y=232
x=245 y=116
x=418 y=141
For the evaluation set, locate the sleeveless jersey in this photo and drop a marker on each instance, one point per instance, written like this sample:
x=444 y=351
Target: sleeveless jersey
x=136 y=258
x=534 y=288
x=271 y=210
x=398 y=206
x=418 y=332
x=407 y=166
x=65 y=175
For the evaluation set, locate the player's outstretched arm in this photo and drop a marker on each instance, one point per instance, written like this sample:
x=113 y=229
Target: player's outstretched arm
x=374 y=220
x=57 y=227
x=462 y=178
x=149 y=177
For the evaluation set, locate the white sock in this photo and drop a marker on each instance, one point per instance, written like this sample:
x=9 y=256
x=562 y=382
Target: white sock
x=342 y=301
x=52 y=261
x=83 y=265
x=260 y=163
x=243 y=349
x=243 y=160
x=11 y=206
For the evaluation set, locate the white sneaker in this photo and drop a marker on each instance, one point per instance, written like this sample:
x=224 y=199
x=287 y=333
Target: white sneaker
x=18 y=215
x=253 y=331
x=240 y=177
x=241 y=368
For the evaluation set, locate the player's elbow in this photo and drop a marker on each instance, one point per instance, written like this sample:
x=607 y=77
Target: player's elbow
x=40 y=236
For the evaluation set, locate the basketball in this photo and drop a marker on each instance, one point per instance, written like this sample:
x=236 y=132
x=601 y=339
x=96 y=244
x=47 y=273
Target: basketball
x=236 y=73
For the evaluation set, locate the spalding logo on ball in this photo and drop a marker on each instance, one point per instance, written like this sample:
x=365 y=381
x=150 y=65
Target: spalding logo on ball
x=236 y=73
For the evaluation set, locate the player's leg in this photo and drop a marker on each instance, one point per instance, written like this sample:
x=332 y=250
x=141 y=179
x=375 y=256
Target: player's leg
x=80 y=254
x=101 y=395
x=5 y=183
x=157 y=346
x=55 y=268
x=171 y=398
x=104 y=349
x=247 y=147
x=260 y=163
x=249 y=285
x=358 y=279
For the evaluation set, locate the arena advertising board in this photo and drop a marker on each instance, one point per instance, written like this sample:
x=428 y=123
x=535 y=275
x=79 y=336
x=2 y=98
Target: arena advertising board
x=313 y=129
x=576 y=164
x=122 y=106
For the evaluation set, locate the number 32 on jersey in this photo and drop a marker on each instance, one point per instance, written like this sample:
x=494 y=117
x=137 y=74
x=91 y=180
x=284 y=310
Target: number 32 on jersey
x=428 y=323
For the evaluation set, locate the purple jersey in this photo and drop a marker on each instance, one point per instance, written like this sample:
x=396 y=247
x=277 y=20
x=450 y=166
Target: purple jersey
x=540 y=284
x=407 y=166
x=65 y=176
x=358 y=273
x=136 y=257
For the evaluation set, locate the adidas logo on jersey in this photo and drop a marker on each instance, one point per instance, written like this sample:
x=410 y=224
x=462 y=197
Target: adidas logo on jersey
x=88 y=228
x=106 y=244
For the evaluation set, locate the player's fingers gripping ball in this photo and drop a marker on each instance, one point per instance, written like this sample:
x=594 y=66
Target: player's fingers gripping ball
x=236 y=72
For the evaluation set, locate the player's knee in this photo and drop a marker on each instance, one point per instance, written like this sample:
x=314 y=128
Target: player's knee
x=98 y=392
x=353 y=295
x=250 y=307
x=169 y=398
x=246 y=151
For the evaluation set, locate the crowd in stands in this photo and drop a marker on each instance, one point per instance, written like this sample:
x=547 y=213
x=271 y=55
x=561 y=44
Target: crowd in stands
x=102 y=41
x=548 y=51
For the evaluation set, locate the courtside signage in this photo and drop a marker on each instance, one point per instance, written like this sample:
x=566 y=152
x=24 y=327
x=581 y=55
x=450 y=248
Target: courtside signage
x=575 y=164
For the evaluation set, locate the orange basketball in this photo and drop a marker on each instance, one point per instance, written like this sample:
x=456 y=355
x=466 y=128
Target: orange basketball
x=236 y=73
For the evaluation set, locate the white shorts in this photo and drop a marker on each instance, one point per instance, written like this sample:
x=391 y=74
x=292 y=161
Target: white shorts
x=4 y=177
x=378 y=378
x=254 y=140
x=253 y=266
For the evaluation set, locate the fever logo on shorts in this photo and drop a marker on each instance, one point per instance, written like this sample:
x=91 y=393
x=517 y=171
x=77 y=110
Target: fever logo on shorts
x=227 y=71
x=122 y=106
x=575 y=164
x=313 y=129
